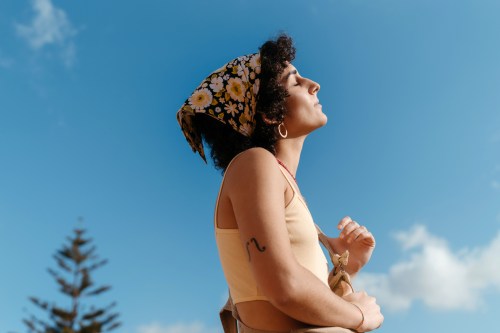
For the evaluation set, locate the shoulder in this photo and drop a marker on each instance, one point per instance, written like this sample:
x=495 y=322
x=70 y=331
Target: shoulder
x=254 y=156
x=253 y=160
x=254 y=165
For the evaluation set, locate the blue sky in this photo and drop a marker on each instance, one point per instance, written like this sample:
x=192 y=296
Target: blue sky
x=88 y=95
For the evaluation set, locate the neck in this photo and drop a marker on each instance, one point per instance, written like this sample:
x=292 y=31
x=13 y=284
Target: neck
x=288 y=151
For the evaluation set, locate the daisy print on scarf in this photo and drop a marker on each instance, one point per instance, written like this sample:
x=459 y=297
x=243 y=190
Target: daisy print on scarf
x=229 y=95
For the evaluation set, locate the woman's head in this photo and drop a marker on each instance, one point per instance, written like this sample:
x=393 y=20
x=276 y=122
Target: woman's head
x=304 y=112
x=273 y=105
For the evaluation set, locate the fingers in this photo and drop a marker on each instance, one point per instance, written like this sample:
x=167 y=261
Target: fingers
x=344 y=222
x=361 y=234
x=352 y=231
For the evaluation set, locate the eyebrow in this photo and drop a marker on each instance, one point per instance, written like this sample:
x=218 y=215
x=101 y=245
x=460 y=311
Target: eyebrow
x=292 y=72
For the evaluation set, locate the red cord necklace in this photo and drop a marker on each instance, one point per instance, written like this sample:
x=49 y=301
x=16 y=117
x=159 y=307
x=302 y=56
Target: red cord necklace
x=284 y=166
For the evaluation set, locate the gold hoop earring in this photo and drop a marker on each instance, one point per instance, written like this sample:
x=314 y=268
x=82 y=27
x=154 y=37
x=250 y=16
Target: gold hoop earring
x=279 y=130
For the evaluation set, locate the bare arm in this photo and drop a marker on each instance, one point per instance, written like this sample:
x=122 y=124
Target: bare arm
x=256 y=190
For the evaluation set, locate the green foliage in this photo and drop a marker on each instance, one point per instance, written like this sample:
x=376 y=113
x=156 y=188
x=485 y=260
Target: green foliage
x=75 y=262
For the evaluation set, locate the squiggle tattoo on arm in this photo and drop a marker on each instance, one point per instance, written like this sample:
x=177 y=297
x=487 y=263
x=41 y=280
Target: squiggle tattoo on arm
x=256 y=243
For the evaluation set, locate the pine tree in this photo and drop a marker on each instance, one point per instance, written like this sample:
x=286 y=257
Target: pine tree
x=77 y=261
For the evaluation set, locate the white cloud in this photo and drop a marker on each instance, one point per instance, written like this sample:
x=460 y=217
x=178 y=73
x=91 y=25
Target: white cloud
x=434 y=274
x=49 y=26
x=195 y=327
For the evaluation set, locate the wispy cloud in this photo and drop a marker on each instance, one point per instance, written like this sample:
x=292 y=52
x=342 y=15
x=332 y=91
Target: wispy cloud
x=434 y=274
x=195 y=327
x=495 y=185
x=496 y=137
x=50 y=26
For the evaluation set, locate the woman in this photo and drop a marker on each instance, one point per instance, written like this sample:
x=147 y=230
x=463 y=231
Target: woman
x=255 y=113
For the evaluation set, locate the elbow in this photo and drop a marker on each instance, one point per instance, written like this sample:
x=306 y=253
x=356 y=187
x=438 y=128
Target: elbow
x=286 y=293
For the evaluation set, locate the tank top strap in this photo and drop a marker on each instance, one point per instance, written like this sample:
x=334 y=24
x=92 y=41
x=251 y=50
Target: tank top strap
x=293 y=185
x=289 y=181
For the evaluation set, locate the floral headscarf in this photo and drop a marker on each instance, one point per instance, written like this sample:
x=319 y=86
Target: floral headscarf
x=229 y=95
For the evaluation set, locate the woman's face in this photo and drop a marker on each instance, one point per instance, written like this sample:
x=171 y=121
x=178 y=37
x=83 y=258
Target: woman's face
x=304 y=113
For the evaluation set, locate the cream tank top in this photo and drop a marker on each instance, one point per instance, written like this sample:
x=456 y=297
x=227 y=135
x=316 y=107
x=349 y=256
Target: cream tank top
x=303 y=241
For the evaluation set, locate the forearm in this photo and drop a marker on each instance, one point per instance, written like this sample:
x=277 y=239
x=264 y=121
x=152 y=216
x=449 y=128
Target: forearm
x=309 y=300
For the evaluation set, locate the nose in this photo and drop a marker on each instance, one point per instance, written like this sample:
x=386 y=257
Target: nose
x=314 y=87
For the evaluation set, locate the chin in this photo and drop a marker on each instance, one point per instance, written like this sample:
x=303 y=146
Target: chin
x=325 y=120
x=320 y=124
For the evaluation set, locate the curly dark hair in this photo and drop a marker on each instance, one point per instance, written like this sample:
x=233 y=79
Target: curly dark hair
x=224 y=142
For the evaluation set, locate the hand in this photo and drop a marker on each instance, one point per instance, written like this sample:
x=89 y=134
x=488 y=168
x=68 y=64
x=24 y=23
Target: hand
x=358 y=240
x=373 y=318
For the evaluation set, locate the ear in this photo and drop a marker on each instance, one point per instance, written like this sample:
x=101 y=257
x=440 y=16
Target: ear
x=267 y=120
